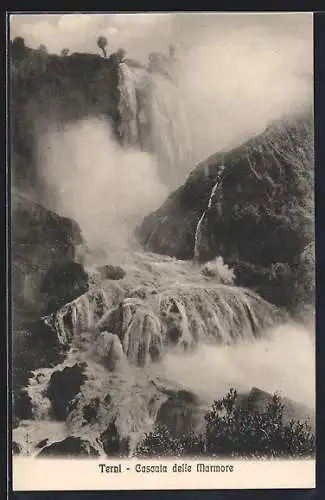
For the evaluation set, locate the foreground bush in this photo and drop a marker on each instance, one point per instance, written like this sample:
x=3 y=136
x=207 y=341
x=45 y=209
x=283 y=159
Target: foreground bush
x=245 y=431
x=237 y=431
x=160 y=442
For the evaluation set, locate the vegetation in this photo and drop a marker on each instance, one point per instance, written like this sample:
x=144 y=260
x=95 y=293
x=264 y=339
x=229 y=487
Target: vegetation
x=236 y=430
x=102 y=43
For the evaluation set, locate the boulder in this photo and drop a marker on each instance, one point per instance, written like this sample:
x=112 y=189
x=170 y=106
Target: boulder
x=90 y=410
x=69 y=447
x=63 y=387
x=113 y=443
x=16 y=448
x=109 y=272
x=181 y=413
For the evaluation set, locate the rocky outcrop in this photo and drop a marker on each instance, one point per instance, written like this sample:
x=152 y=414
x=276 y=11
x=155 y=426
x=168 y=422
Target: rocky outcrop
x=22 y=406
x=258 y=214
x=34 y=347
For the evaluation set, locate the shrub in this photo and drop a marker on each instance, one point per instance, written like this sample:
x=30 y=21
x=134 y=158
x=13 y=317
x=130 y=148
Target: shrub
x=233 y=430
x=159 y=442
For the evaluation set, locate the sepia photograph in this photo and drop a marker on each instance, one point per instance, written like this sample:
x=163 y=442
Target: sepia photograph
x=162 y=243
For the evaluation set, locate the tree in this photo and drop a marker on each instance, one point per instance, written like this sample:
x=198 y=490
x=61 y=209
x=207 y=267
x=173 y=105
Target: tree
x=120 y=55
x=102 y=43
x=64 y=52
x=42 y=49
x=18 y=48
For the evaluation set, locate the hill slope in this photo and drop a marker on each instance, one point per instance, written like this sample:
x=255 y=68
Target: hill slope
x=260 y=215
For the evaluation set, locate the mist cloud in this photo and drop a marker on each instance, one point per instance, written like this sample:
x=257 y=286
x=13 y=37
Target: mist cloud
x=234 y=84
x=106 y=188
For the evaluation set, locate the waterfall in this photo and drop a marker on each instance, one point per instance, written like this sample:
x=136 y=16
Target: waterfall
x=153 y=118
x=198 y=232
x=78 y=316
x=169 y=136
x=128 y=105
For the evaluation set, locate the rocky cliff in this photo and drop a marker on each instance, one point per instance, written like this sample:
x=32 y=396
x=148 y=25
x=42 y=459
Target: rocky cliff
x=47 y=88
x=41 y=241
x=46 y=272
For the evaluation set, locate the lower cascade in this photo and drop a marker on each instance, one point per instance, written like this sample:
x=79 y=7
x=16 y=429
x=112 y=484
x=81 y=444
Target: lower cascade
x=150 y=320
x=133 y=344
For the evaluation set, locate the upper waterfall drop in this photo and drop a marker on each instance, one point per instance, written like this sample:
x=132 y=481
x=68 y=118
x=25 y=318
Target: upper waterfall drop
x=128 y=105
x=153 y=116
x=169 y=130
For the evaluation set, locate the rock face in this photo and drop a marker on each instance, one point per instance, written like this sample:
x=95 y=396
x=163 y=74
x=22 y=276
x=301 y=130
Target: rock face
x=41 y=241
x=43 y=245
x=50 y=87
x=62 y=283
x=258 y=216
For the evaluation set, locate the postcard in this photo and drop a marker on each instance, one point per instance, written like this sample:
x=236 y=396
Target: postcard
x=162 y=248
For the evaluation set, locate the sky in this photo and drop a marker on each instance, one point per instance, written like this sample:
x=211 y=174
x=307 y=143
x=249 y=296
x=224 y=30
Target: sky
x=141 y=33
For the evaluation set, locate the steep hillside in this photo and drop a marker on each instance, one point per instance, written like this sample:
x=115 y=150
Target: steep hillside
x=258 y=204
